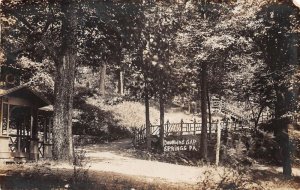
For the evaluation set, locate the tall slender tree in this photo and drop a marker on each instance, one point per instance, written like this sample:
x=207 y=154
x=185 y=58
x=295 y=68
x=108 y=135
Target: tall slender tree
x=279 y=46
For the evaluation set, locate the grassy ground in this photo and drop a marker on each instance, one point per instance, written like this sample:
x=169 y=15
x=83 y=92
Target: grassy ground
x=132 y=114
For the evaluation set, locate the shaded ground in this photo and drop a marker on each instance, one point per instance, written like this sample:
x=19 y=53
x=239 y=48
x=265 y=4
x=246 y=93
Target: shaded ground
x=44 y=178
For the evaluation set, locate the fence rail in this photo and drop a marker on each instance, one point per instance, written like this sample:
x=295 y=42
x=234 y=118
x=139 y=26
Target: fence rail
x=184 y=129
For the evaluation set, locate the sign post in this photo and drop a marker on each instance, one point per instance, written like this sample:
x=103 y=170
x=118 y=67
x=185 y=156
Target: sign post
x=218 y=143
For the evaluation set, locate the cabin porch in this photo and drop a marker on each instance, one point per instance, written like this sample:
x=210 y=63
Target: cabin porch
x=25 y=125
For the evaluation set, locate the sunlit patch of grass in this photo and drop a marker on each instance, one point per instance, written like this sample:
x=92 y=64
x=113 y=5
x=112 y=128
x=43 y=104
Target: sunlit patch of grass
x=132 y=114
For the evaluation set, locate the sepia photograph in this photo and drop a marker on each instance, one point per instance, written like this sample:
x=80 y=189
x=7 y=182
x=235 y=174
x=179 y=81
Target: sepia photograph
x=149 y=94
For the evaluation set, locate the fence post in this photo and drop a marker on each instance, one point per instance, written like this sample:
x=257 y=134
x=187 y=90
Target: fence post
x=194 y=126
x=140 y=134
x=137 y=135
x=134 y=137
x=218 y=143
x=167 y=128
x=181 y=127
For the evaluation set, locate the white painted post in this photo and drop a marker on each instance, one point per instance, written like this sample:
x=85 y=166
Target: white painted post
x=181 y=127
x=8 y=118
x=218 y=143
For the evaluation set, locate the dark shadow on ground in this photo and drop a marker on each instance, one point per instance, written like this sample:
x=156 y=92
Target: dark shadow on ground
x=275 y=177
x=79 y=179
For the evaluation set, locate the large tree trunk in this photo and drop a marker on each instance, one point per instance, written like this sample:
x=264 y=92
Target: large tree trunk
x=64 y=86
x=203 y=140
x=63 y=108
x=162 y=121
x=102 y=79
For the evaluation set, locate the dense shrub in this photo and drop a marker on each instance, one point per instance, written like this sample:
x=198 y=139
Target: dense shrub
x=262 y=145
x=93 y=121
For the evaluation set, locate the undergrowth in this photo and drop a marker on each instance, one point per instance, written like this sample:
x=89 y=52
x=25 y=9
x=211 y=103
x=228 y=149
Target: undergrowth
x=237 y=179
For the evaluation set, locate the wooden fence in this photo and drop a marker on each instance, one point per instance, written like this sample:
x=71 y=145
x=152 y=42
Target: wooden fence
x=185 y=129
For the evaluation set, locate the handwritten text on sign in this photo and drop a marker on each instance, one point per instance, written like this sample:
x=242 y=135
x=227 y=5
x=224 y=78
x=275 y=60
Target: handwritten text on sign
x=188 y=144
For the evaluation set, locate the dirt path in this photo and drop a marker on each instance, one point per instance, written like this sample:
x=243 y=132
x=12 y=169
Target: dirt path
x=113 y=166
x=115 y=157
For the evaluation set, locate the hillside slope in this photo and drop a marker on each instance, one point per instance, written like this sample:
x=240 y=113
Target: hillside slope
x=132 y=114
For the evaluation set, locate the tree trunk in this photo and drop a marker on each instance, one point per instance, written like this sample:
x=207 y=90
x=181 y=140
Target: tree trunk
x=102 y=79
x=63 y=149
x=63 y=109
x=283 y=135
x=162 y=120
x=286 y=152
x=258 y=116
x=147 y=116
x=283 y=139
x=203 y=140
x=121 y=83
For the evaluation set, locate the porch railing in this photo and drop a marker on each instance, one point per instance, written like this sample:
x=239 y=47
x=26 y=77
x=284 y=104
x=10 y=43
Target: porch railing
x=19 y=143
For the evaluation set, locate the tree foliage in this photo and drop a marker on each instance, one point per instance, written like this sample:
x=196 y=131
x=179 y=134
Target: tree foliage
x=244 y=51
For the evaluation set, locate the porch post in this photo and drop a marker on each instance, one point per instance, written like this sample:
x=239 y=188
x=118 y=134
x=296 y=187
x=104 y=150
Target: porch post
x=5 y=153
x=34 y=153
x=47 y=142
x=1 y=116
x=8 y=119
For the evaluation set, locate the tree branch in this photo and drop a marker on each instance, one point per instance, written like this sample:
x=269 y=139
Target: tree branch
x=20 y=18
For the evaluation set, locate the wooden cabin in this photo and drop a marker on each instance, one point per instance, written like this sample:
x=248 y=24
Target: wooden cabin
x=25 y=120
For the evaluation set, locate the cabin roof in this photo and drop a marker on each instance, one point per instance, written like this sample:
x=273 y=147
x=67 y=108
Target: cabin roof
x=26 y=92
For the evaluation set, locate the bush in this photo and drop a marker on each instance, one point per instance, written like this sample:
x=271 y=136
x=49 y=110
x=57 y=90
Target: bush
x=93 y=121
x=239 y=179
